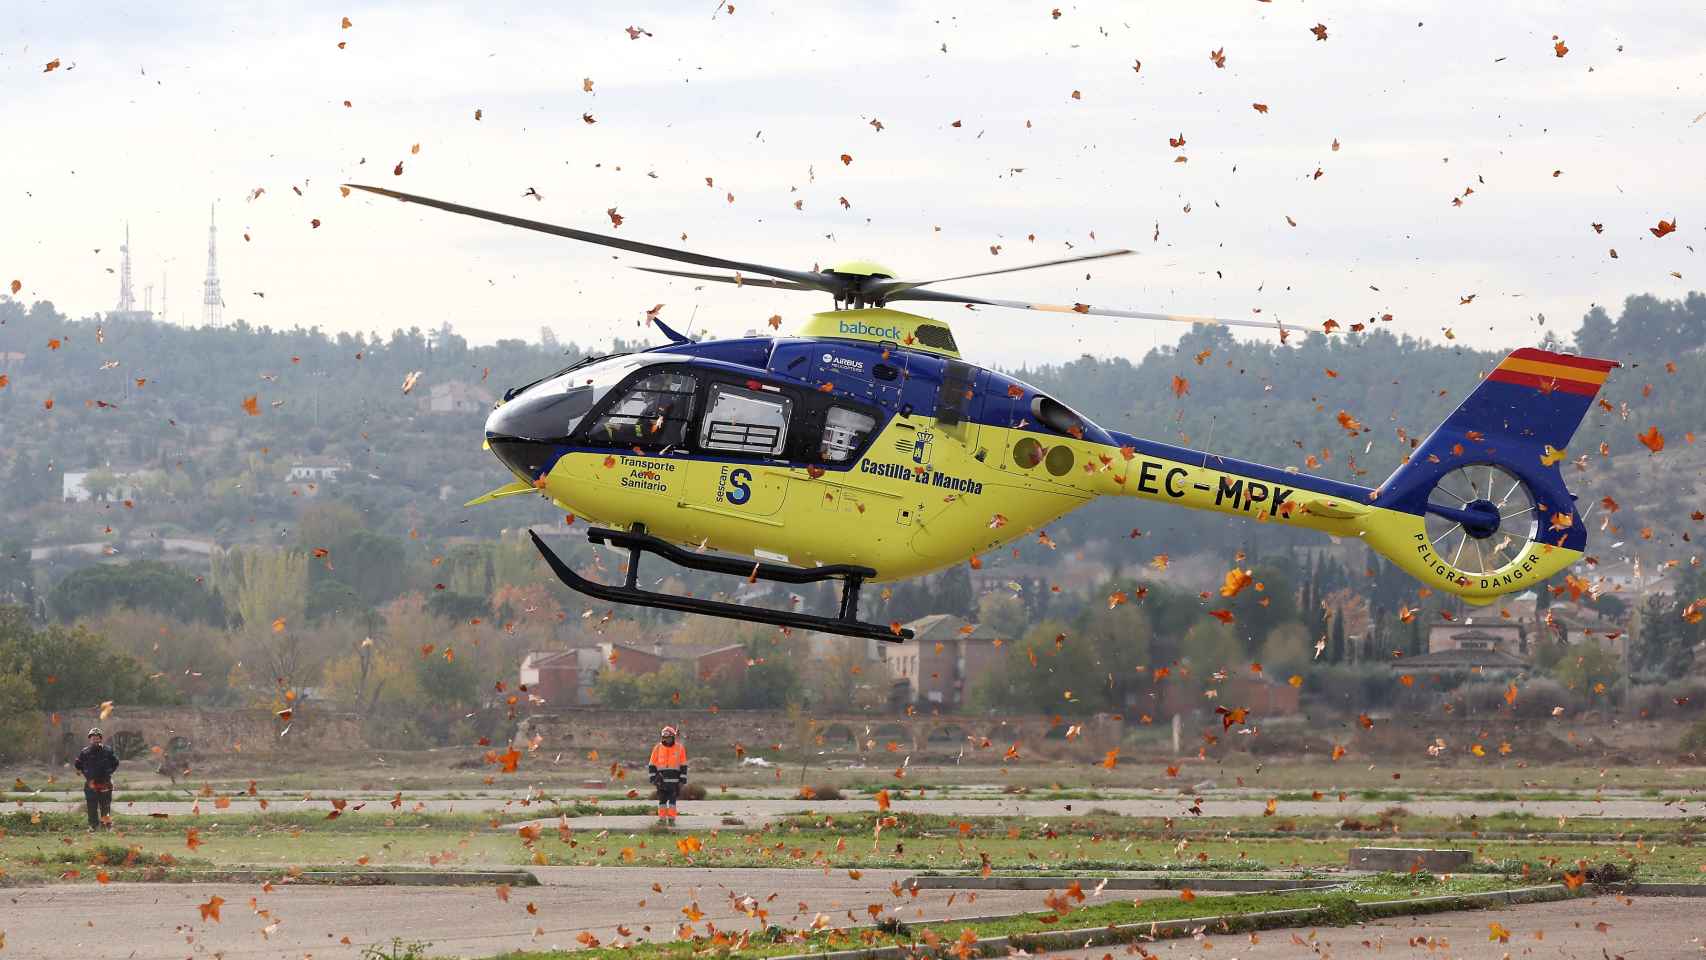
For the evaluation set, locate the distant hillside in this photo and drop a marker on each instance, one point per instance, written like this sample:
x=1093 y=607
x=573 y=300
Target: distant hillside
x=168 y=407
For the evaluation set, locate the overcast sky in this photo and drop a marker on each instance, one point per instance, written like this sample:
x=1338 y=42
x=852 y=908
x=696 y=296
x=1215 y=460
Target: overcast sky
x=153 y=114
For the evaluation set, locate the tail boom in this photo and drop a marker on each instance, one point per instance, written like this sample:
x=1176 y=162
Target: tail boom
x=1479 y=509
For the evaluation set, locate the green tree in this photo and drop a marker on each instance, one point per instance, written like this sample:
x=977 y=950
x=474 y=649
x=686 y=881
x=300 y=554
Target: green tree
x=767 y=684
x=101 y=483
x=1045 y=675
x=20 y=723
x=375 y=566
x=72 y=668
x=333 y=599
x=459 y=607
x=1001 y=614
x=1120 y=639
x=1210 y=645
x=447 y=682
x=1287 y=649
x=139 y=585
x=1584 y=666
x=262 y=584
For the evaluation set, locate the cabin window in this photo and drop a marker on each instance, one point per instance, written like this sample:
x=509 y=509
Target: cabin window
x=844 y=433
x=651 y=414
x=750 y=422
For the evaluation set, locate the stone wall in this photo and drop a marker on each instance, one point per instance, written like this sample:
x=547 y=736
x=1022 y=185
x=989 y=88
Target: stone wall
x=140 y=733
x=622 y=733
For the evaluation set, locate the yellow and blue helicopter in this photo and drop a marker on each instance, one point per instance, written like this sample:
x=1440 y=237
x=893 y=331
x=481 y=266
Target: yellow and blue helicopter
x=863 y=448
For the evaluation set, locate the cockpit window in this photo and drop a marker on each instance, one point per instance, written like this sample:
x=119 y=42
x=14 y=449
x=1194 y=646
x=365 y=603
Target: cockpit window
x=651 y=414
x=547 y=417
x=1056 y=416
x=550 y=409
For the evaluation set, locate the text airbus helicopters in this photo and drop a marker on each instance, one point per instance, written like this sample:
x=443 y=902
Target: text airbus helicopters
x=863 y=448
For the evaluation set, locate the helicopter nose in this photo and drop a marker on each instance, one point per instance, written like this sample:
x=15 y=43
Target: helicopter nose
x=528 y=432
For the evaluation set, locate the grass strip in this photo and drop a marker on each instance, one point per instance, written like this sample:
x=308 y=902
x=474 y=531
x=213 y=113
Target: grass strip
x=1336 y=906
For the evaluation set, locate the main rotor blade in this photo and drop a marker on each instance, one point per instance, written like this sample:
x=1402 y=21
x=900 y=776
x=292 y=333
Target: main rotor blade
x=811 y=281
x=935 y=296
x=885 y=289
x=767 y=282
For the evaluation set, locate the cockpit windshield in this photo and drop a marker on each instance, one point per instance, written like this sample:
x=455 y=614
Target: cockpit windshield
x=551 y=410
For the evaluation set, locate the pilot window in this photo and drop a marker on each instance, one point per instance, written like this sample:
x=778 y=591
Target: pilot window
x=750 y=422
x=844 y=432
x=652 y=414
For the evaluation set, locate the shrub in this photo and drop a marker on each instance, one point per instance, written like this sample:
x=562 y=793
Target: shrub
x=820 y=792
x=1667 y=699
x=693 y=791
x=1694 y=739
x=1537 y=697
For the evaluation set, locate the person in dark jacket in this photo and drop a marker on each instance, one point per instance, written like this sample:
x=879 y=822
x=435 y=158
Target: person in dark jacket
x=97 y=762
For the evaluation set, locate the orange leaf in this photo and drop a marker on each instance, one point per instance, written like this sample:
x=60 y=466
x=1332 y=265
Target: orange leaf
x=1653 y=440
x=1181 y=386
x=1236 y=580
x=210 y=909
x=1259 y=107
x=1664 y=227
x=252 y=405
x=1186 y=894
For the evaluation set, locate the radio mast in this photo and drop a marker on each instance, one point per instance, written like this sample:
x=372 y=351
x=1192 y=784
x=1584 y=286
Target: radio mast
x=212 y=304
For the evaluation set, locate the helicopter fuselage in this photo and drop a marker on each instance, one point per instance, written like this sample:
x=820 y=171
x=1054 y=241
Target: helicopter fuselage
x=868 y=441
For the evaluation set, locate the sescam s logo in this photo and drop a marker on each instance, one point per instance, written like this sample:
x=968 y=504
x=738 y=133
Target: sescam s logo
x=734 y=486
x=859 y=328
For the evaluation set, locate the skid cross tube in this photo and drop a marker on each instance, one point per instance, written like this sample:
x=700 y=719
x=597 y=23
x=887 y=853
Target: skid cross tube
x=638 y=543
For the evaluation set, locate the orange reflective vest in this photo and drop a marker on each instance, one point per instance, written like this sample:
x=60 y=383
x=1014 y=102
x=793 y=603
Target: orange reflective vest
x=668 y=758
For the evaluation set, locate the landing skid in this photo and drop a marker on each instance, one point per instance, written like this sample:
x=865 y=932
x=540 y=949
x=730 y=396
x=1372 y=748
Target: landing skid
x=637 y=542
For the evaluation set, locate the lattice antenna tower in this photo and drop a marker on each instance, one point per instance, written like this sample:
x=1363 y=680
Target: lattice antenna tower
x=212 y=304
x=126 y=300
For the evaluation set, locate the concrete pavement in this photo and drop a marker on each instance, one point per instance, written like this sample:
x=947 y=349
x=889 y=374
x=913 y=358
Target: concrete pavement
x=143 y=921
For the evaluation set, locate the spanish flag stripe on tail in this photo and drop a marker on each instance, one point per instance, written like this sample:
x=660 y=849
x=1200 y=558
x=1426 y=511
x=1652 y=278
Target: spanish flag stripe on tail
x=1549 y=372
x=1544 y=383
x=1561 y=360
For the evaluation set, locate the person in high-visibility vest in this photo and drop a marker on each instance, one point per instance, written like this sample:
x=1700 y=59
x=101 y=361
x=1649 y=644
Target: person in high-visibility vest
x=668 y=772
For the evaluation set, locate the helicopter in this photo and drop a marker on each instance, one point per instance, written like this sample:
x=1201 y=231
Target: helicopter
x=863 y=448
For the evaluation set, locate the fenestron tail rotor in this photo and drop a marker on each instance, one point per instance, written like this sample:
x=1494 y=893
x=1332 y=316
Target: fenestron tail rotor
x=1480 y=518
x=855 y=285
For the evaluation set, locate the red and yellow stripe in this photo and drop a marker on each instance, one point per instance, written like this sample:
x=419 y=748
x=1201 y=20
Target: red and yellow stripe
x=1548 y=372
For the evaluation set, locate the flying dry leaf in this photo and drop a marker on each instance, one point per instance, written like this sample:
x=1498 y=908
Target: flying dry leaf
x=1653 y=440
x=252 y=405
x=1235 y=581
x=1664 y=227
